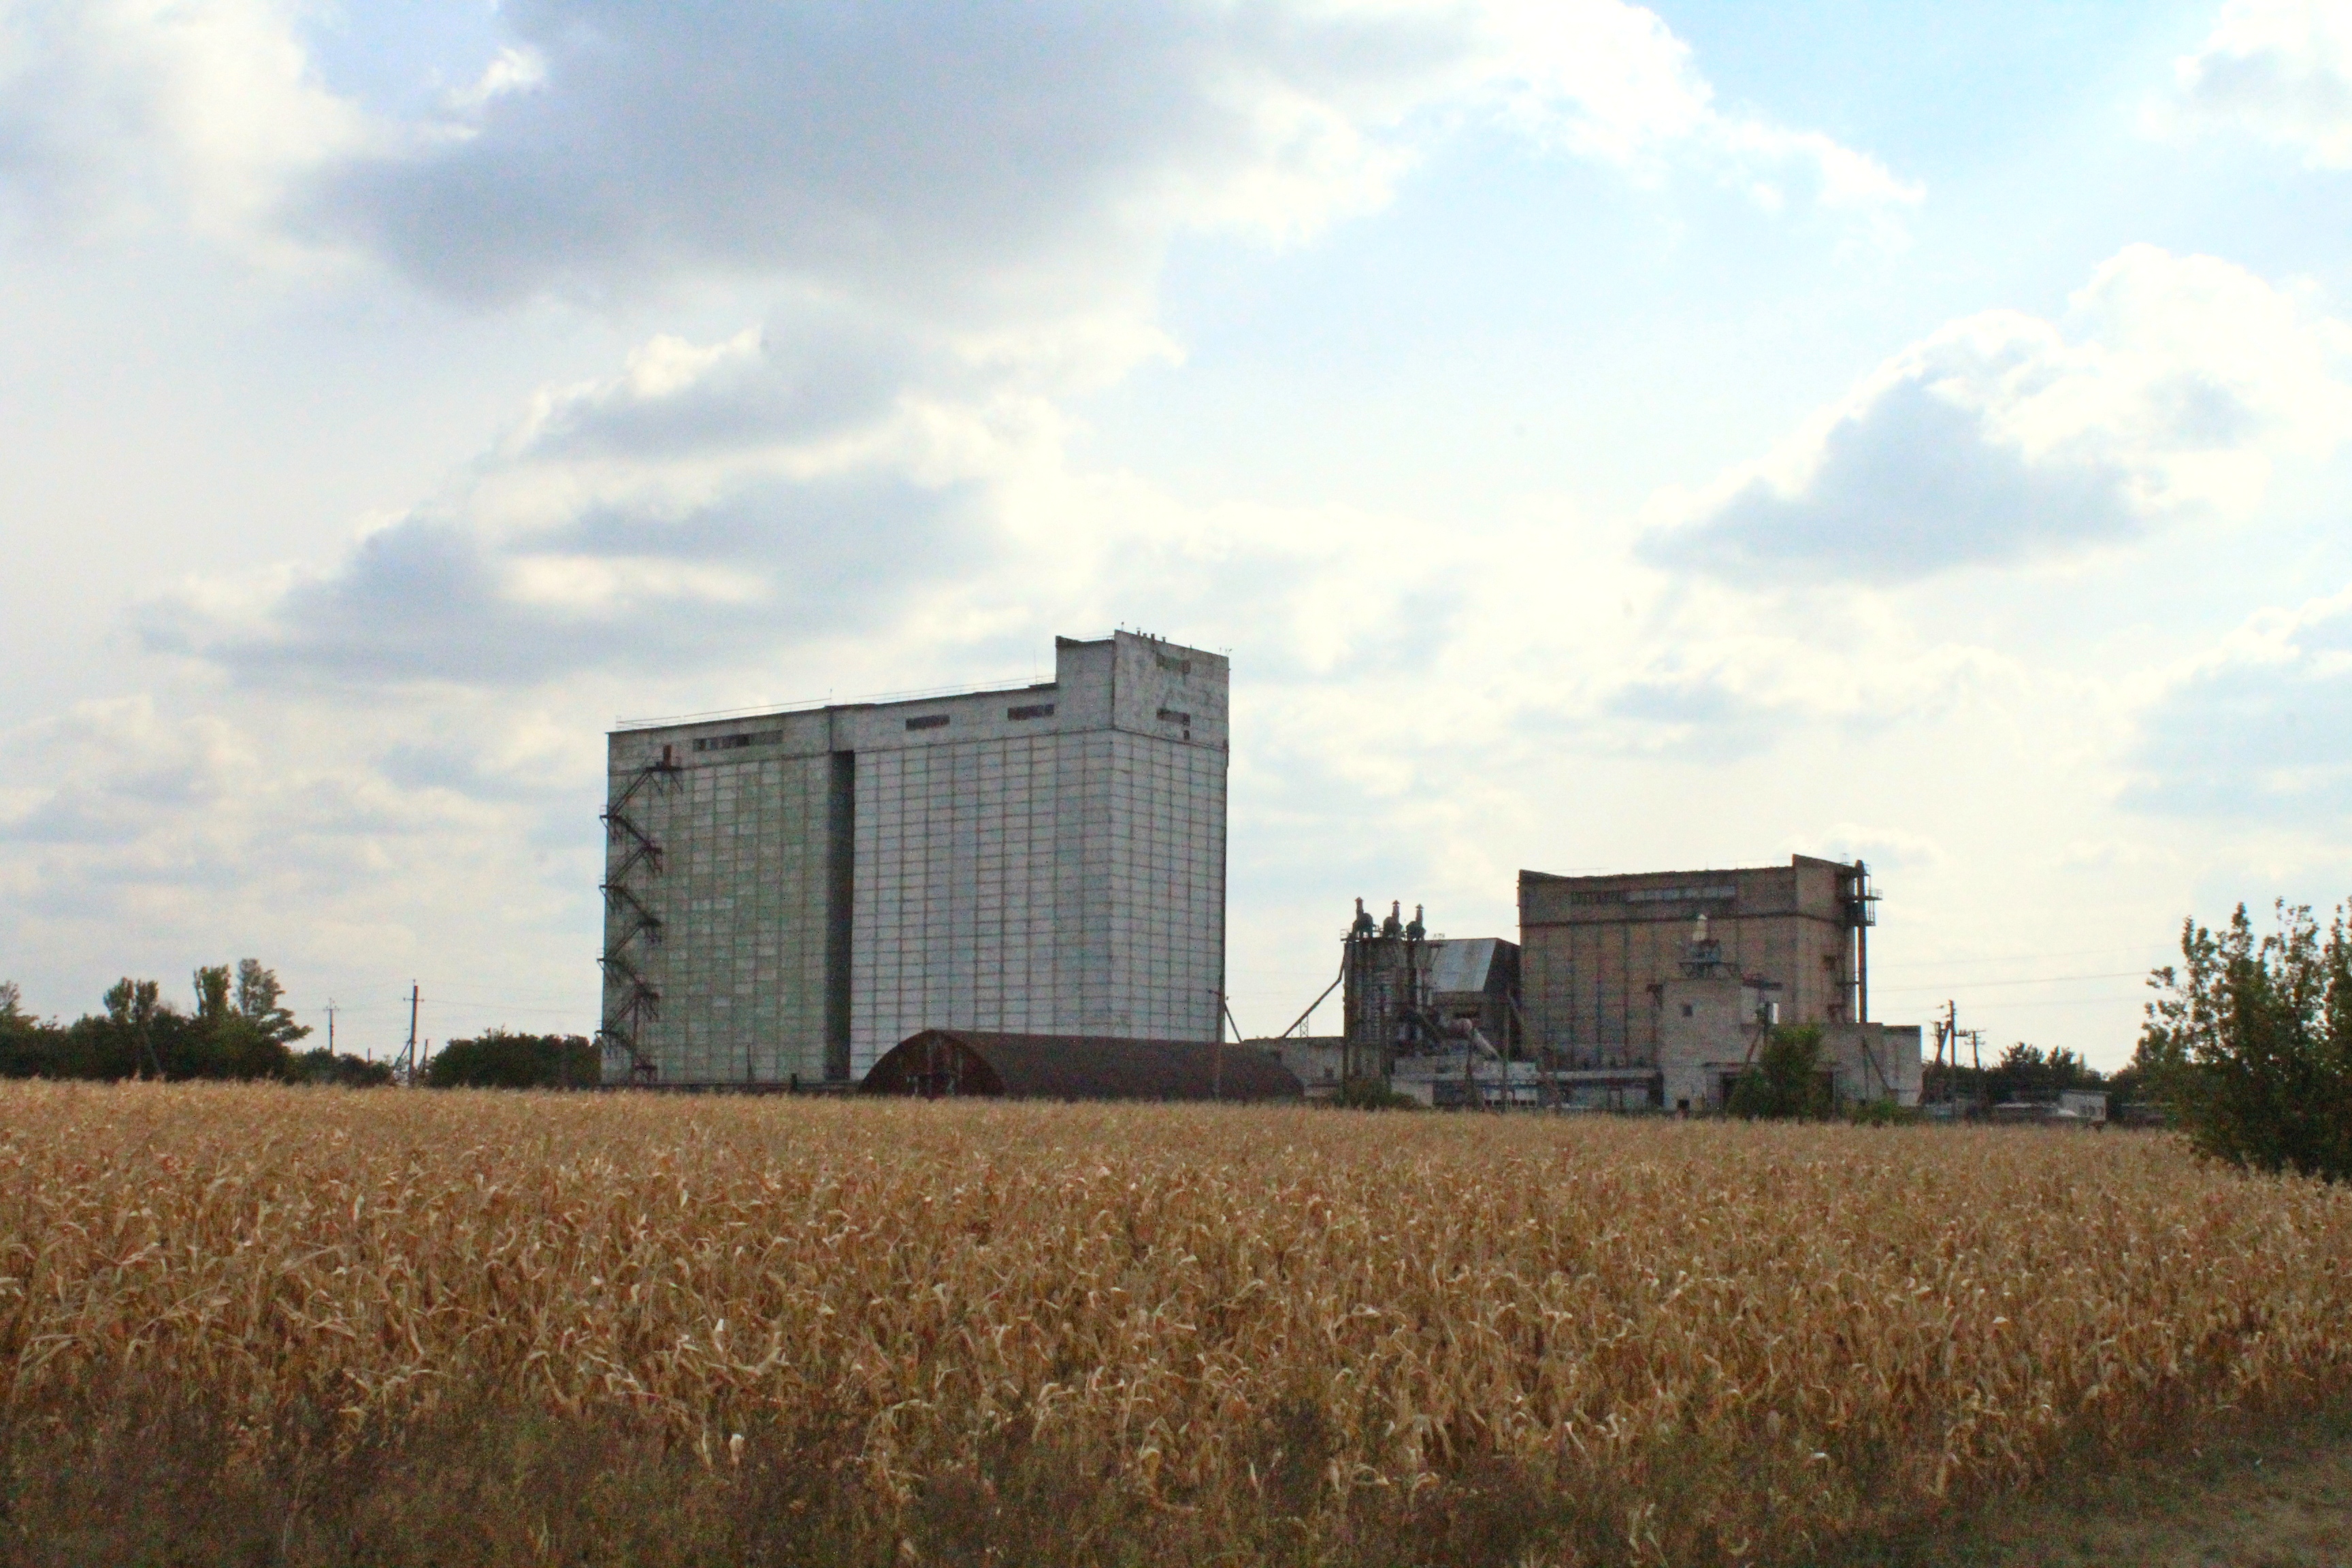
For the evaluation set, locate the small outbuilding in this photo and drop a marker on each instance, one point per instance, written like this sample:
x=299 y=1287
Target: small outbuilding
x=938 y=1063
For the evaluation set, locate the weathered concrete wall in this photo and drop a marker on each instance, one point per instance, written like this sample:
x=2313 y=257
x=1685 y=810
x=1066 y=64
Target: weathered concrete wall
x=1875 y=1061
x=1710 y=1028
x=1707 y=1030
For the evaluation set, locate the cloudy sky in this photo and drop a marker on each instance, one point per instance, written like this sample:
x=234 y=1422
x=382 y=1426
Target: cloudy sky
x=1603 y=437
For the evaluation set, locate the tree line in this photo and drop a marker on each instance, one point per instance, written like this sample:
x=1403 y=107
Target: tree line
x=2028 y=1073
x=236 y=1027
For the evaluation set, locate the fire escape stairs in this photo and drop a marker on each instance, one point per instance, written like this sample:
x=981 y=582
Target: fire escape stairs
x=640 y=999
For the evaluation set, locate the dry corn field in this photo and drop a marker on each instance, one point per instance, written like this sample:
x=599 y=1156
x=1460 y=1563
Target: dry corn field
x=1702 y=1342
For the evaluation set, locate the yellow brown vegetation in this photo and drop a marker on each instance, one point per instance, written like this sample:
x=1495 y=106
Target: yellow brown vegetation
x=1737 y=1340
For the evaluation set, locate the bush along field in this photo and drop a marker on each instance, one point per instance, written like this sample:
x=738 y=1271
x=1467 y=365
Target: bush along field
x=264 y=1324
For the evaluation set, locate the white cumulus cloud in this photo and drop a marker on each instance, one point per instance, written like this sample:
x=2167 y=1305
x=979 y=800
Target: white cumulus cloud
x=2277 y=69
x=2260 y=727
x=2171 y=386
x=189 y=110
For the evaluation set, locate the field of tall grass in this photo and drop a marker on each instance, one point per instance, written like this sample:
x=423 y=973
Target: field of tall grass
x=313 y=1325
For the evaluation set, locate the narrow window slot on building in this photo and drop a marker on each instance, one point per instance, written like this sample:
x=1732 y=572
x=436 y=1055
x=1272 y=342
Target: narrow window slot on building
x=1170 y=716
x=930 y=722
x=1030 y=710
x=1676 y=895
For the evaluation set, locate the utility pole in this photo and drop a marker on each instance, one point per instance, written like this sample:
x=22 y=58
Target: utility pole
x=1947 y=1034
x=330 y=1028
x=408 y=1056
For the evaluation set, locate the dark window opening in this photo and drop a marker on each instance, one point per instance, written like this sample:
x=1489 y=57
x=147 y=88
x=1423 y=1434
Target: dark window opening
x=930 y=722
x=729 y=742
x=1030 y=710
x=1170 y=716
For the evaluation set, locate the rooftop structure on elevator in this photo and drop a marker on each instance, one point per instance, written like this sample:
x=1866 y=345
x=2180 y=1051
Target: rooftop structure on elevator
x=792 y=893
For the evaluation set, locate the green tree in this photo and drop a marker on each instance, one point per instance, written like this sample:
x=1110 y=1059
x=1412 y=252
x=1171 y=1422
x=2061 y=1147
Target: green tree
x=1787 y=1080
x=133 y=1008
x=257 y=1002
x=2248 y=1041
x=325 y=1066
x=2028 y=1072
x=238 y=1030
x=133 y=1002
x=225 y=1040
x=498 y=1059
x=27 y=1045
x=212 y=993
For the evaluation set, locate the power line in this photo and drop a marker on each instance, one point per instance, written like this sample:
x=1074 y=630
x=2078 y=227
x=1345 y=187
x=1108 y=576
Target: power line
x=447 y=1002
x=400 y=1000
x=2051 y=1002
x=2035 y=980
x=1943 y=963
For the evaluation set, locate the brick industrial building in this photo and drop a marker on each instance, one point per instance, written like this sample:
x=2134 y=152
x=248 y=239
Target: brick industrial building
x=789 y=894
x=1636 y=1000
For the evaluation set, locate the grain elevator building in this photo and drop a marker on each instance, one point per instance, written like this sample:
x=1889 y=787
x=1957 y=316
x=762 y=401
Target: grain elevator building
x=789 y=894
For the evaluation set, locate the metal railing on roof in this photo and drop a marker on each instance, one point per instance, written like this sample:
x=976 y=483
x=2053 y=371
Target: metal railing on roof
x=814 y=703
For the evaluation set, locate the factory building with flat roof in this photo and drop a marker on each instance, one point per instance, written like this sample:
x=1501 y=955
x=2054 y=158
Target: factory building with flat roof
x=789 y=894
x=1592 y=947
x=1653 y=988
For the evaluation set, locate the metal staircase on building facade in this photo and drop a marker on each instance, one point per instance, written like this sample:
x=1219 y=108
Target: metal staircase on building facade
x=630 y=924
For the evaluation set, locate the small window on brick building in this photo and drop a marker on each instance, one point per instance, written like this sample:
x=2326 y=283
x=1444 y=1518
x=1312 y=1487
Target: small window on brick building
x=1170 y=716
x=1030 y=710
x=929 y=721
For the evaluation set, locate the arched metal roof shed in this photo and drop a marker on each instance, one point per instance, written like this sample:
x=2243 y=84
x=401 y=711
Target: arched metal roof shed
x=937 y=1063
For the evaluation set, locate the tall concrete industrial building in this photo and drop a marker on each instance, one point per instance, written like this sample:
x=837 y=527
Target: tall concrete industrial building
x=789 y=894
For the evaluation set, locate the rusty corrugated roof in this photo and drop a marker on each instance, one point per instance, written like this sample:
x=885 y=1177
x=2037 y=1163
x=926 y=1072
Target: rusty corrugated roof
x=938 y=1062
